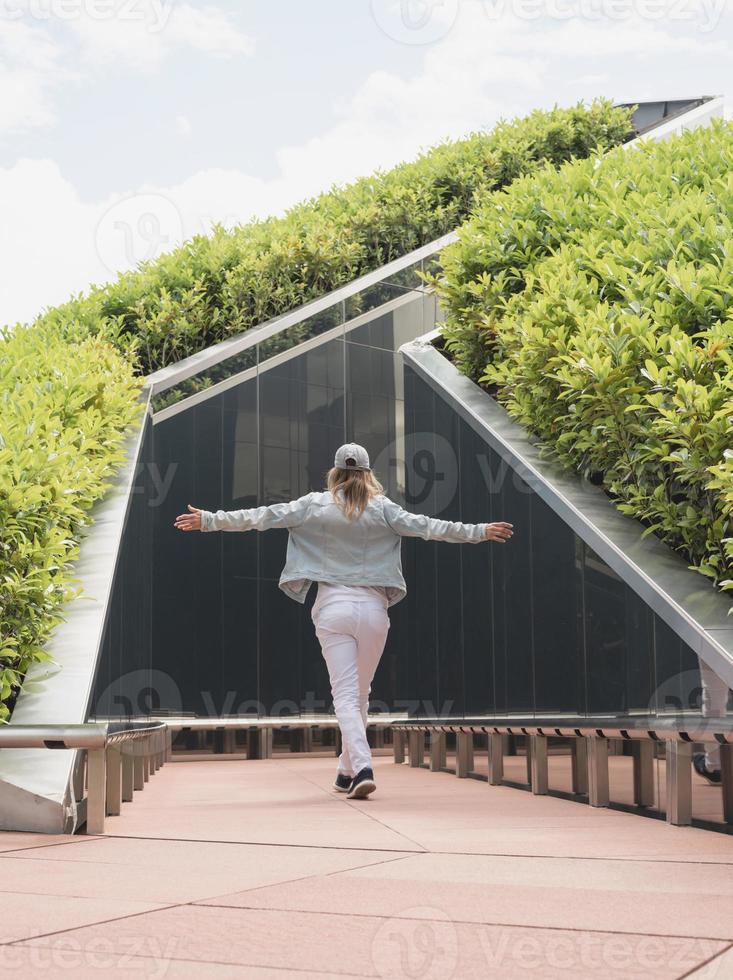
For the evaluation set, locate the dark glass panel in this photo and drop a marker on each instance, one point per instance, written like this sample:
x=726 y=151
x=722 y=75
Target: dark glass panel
x=423 y=589
x=279 y=650
x=174 y=562
x=557 y=659
x=605 y=635
x=512 y=562
x=640 y=658
x=477 y=506
x=445 y=504
x=239 y=687
x=673 y=691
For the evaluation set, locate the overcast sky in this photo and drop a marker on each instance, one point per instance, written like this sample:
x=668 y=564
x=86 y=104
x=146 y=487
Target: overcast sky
x=127 y=126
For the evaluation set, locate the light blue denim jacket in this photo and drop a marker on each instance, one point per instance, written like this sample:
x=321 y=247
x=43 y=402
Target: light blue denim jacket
x=325 y=546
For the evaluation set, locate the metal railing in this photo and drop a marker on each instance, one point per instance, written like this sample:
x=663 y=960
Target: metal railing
x=590 y=737
x=260 y=729
x=120 y=758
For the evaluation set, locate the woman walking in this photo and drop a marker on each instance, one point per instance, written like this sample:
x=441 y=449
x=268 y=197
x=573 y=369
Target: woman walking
x=348 y=540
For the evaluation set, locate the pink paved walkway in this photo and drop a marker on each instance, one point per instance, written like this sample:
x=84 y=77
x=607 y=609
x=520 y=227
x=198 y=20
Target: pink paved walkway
x=231 y=868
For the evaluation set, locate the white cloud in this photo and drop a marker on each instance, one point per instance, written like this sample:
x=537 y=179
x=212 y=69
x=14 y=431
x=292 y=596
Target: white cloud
x=183 y=125
x=207 y=29
x=142 y=35
x=47 y=245
x=482 y=69
x=30 y=70
x=40 y=41
x=55 y=245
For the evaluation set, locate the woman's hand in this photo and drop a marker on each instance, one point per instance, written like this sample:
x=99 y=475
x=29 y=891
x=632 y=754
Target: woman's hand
x=189 y=522
x=499 y=531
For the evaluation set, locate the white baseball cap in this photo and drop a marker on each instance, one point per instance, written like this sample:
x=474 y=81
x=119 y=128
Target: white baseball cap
x=352 y=457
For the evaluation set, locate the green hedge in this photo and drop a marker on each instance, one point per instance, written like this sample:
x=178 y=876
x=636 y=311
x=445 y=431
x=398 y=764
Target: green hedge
x=217 y=286
x=64 y=406
x=596 y=302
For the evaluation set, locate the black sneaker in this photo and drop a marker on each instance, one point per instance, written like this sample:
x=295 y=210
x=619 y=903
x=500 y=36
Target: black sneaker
x=343 y=782
x=362 y=784
x=712 y=775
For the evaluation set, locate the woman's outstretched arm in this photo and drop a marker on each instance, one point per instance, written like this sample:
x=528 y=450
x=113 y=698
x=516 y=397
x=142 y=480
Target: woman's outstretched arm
x=290 y=514
x=434 y=529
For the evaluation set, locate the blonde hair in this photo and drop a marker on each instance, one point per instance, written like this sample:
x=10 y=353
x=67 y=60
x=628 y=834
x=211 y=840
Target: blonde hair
x=353 y=489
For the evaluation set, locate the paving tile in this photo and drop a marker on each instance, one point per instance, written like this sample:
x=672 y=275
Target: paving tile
x=267 y=801
x=580 y=909
x=440 y=812
x=419 y=945
x=39 y=962
x=483 y=897
x=12 y=841
x=563 y=874
x=718 y=968
x=24 y=916
x=153 y=870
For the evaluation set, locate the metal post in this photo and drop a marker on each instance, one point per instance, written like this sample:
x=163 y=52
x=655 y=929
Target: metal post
x=128 y=781
x=416 y=746
x=398 y=745
x=464 y=754
x=679 y=783
x=726 y=774
x=379 y=737
x=138 y=767
x=539 y=780
x=168 y=745
x=496 y=759
x=114 y=781
x=96 y=787
x=579 y=764
x=259 y=743
x=437 y=751
x=229 y=745
x=528 y=757
x=643 y=772
x=145 y=750
x=598 y=794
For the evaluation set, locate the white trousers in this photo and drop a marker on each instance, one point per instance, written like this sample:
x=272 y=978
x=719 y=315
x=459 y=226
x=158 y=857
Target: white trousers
x=714 y=705
x=352 y=634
